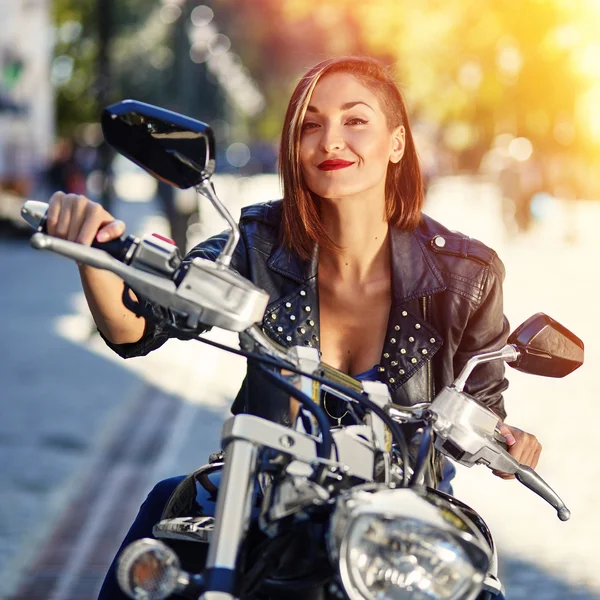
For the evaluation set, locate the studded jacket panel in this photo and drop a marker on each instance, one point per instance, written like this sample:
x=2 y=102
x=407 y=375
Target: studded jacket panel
x=446 y=307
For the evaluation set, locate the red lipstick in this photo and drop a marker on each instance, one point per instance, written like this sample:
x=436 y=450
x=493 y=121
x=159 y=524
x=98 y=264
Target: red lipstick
x=334 y=164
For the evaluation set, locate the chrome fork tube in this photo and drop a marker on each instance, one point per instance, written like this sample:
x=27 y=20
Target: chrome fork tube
x=232 y=518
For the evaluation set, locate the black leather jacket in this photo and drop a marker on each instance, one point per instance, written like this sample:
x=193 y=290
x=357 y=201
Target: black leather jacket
x=446 y=307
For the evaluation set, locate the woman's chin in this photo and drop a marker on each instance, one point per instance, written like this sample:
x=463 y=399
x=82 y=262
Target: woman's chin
x=335 y=192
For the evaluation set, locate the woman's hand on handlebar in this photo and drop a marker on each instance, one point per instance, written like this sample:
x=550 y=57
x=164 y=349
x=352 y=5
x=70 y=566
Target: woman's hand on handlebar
x=75 y=218
x=522 y=446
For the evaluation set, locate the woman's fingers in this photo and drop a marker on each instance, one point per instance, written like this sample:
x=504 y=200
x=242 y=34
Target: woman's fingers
x=78 y=219
x=95 y=218
x=523 y=447
x=113 y=230
x=508 y=436
x=53 y=213
x=78 y=213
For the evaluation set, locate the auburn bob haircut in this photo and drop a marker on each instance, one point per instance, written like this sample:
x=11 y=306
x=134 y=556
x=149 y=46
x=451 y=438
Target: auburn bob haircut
x=302 y=229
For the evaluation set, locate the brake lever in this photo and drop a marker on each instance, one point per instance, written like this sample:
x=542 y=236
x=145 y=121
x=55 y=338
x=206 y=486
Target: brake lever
x=468 y=432
x=529 y=478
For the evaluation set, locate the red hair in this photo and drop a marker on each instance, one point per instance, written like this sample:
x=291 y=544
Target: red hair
x=302 y=228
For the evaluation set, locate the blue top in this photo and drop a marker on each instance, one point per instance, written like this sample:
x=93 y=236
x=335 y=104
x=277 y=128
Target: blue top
x=371 y=375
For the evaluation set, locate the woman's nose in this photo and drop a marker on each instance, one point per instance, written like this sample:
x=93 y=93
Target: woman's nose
x=332 y=139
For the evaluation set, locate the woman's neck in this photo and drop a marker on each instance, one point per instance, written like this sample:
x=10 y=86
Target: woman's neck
x=359 y=228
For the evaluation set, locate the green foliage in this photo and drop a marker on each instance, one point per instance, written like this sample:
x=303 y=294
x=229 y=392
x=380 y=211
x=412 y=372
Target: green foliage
x=469 y=70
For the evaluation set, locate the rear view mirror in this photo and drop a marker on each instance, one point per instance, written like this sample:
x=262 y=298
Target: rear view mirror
x=171 y=147
x=546 y=347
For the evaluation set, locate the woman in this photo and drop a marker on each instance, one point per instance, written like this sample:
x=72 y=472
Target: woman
x=349 y=261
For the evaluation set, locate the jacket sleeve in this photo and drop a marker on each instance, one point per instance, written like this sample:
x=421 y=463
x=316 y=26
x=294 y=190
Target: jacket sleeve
x=155 y=335
x=487 y=330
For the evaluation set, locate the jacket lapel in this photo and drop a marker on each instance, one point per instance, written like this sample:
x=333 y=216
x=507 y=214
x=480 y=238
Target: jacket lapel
x=414 y=274
x=410 y=341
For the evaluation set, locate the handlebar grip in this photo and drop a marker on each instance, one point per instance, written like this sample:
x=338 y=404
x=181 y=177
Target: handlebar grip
x=529 y=478
x=117 y=248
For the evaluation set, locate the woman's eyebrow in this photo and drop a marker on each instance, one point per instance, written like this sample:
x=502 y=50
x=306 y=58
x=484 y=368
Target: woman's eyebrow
x=345 y=106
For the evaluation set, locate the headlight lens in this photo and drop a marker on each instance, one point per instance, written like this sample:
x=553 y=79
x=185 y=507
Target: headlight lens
x=406 y=560
x=406 y=544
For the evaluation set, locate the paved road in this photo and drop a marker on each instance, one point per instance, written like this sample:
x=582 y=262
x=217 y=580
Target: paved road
x=72 y=414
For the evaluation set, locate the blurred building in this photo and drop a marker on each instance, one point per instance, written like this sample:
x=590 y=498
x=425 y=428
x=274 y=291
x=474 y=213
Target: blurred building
x=26 y=95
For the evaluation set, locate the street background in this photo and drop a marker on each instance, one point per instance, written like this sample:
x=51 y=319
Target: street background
x=503 y=104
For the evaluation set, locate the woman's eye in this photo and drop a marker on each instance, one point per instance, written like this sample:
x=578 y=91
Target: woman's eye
x=357 y=121
x=309 y=125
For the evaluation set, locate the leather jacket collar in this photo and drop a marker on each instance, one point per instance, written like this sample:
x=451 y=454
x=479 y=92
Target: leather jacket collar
x=410 y=340
x=415 y=276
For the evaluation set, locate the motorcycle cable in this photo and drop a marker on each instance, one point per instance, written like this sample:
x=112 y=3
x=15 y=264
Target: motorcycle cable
x=398 y=436
x=422 y=455
x=324 y=451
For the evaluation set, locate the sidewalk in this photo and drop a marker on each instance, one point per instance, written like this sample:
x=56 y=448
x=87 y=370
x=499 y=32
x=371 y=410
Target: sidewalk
x=70 y=409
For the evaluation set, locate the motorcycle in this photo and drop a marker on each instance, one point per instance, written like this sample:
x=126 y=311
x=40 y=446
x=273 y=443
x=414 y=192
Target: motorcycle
x=308 y=511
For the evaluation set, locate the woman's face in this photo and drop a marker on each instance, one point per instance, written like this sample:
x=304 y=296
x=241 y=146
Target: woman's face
x=345 y=144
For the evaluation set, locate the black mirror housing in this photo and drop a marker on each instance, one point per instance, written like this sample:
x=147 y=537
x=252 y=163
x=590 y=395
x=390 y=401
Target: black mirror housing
x=546 y=347
x=171 y=147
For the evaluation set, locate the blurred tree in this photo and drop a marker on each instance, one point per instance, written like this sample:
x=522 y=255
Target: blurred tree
x=472 y=69
x=149 y=58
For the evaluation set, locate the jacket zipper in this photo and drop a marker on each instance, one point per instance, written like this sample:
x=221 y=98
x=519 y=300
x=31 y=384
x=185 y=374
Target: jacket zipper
x=431 y=394
x=430 y=391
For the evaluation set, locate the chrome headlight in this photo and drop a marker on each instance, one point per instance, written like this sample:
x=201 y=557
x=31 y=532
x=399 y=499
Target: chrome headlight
x=403 y=545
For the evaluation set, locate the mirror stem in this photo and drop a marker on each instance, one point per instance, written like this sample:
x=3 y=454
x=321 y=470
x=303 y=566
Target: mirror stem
x=207 y=189
x=508 y=354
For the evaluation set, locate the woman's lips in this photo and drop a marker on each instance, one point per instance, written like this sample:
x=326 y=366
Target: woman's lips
x=333 y=165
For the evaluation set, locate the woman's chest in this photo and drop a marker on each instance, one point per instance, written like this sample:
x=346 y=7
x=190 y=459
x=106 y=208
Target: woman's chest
x=353 y=324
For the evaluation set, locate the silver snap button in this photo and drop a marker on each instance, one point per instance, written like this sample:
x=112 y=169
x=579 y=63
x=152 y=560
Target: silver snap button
x=287 y=441
x=439 y=241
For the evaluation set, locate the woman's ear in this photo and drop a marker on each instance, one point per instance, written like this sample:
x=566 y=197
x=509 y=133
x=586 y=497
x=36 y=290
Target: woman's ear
x=398 y=144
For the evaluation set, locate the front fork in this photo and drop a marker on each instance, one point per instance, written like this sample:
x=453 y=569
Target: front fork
x=232 y=519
